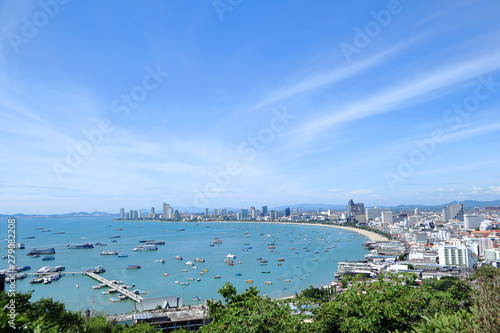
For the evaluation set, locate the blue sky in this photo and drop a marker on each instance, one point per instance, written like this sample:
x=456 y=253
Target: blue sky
x=238 y=103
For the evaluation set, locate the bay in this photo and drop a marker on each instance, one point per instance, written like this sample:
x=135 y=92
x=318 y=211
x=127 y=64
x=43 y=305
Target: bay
x=309 y=255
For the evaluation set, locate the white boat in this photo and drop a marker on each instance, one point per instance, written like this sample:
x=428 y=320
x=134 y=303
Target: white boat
x=230 y=256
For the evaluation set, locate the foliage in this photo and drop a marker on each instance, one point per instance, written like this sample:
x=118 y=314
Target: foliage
x=487 y=299
x=459 y=322
x=316 y=294
x=392 y=302
x=248 y=312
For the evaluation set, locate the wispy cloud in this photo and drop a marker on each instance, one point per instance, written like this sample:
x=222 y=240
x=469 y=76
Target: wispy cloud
x=406 y=95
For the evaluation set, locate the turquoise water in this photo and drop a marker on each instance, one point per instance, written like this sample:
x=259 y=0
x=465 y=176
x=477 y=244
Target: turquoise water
x=312 y=261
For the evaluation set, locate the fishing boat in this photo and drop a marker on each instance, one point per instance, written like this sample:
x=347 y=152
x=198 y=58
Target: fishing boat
x=80 y=246
x=133 y=266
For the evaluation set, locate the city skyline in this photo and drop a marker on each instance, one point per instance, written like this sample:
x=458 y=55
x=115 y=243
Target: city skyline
x=259 y=102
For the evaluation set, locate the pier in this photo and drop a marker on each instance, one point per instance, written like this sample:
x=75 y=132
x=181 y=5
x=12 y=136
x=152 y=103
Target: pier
x=120 y=288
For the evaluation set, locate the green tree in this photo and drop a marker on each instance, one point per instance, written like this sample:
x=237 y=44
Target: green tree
x=393 y=302
x=249 y=312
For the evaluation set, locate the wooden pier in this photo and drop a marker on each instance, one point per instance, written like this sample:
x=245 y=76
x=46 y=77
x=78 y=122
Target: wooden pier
x=118 y=287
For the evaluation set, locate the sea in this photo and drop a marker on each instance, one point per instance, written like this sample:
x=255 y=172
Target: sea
x=308 y=256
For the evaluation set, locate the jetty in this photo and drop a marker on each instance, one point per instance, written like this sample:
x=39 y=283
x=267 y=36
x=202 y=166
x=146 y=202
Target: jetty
x=118 y=287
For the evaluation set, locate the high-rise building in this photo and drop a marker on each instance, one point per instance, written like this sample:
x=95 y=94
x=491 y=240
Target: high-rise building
x=453 y=212
x=152 y=213
x=287 y=211
x=168 y=212
x=455 y=255
x=244 y=213
x=122 y=213
x=273 y=215
x=177 y=215
x=472 y=221
x=354 y=209
x=387 y=217
x=206 y=211
x=264 y=210
x=217 y=212
x=253 y=213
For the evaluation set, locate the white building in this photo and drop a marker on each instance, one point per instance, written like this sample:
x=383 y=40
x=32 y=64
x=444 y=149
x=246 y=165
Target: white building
x=492 y=254
x=373 y=213
x=455 y=255
x=472 y=221
x=387 y=217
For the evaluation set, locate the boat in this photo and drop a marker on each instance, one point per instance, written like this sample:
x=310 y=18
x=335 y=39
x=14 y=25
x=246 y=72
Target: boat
x=49 y=258
x=266 y=272
x=268 y=282
x=96 y=270
x=145 y=247
x=217 y=277
x=44 y=269
x=190 y=279
x=199 y=260
x=115 y=236
x=49 y=250
x=48 y=230
x=217 y=241
x=19 y=246
x=162 y=260
x=133 y=266
x=184 y=283
x=249 y=281
x=189 y=263
x=122 y=297
x=96 y=287
x=122 y=255
x=59 y=268
x=114 y=299
x=30 y=237
x=180 y=229
x=178 y=257
x=36 y=280
x=35 y=256
x=263 y=261
x=80 y=246
x=287 y=280
x=238 y=274
x=198 y=279
x=59 y=233
x=231 y=256
x=196 y=298
x=165 y=274
x=109 y=253
x=281 y=259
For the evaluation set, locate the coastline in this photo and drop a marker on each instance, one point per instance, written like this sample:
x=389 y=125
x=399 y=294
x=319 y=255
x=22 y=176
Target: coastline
x=372 y=236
